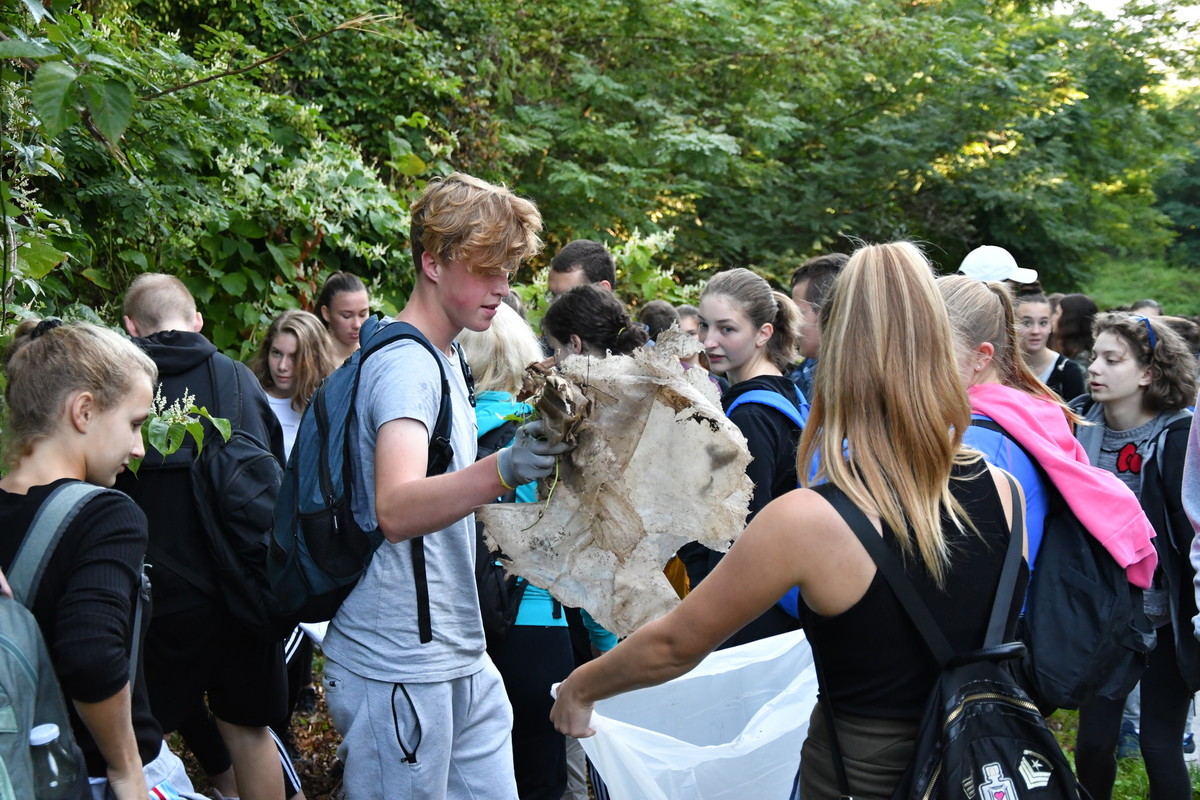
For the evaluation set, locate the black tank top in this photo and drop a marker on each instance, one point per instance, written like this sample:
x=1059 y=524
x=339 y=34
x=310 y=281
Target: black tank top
x=875 y=662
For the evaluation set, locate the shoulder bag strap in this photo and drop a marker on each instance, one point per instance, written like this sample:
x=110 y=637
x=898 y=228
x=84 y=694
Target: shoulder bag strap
x=49 y=524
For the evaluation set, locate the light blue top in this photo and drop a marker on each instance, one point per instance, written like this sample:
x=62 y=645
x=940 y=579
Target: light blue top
x=1000 y=451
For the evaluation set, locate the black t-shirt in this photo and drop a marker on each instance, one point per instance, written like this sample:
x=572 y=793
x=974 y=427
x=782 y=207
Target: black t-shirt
x=85 y=605
x=1067 y=378
x=875 y=661
x=771 y=438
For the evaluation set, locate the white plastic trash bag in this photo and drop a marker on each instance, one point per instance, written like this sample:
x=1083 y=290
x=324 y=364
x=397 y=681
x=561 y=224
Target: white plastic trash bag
x=731 y=729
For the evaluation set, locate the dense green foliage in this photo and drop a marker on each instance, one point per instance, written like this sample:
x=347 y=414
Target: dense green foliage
x=254 y=146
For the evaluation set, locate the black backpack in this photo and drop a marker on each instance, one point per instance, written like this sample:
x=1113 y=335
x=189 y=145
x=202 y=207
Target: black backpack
x=234 y=485
x=1084 y=625
x=499 y=593
x=318 y=550
x=980 y=736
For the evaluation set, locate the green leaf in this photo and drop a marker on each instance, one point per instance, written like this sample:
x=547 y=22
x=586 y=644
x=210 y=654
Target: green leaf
x=111 y=105
x=220 y=423
x=97 y=277
x=175 y=434
x=134 y=257
x=282 y=259
x=223 y=427
x=197 y=432
x=53 y=93
x=37 y=258
x=14 y=48
x=39 y=11
x=248 y=228
x=409 y=164
x=234 y=283
x=155 y=432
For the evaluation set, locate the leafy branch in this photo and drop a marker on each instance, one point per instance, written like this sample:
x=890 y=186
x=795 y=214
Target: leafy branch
x=166 y=428
x=363 y=22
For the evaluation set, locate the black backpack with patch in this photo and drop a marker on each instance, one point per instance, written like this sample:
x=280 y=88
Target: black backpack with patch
x=1084 y=624
x=980 y=736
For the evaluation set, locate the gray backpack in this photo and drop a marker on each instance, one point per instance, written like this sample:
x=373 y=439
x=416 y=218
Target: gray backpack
x=29 y=690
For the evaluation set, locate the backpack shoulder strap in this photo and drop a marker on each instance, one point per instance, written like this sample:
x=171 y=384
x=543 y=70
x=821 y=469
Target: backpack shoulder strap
x=775 y=400
x=379 y=336
x=226 y=382
x=48 y=526
x=51 y=521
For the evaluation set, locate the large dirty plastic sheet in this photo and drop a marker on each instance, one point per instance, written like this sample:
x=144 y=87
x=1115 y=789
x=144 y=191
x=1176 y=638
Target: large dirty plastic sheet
x=731 y=729
x=657 y=465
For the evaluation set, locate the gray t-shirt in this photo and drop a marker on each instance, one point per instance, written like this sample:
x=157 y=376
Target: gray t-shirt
x=1125 y=453
x=374 y=634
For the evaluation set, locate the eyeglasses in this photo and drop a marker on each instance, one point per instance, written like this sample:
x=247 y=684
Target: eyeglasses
x=1149 y=330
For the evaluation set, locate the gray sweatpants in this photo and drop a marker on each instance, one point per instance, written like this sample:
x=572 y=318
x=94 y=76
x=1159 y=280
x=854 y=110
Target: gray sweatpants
x=423 y=741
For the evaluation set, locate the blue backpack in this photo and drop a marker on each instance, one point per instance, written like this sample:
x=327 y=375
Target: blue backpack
x=318 y=550
x=790 y=602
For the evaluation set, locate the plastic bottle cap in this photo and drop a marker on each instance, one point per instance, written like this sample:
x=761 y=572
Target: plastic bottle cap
x=43 y=734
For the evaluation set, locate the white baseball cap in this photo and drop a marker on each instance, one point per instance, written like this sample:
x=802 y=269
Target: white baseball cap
x=992 y=263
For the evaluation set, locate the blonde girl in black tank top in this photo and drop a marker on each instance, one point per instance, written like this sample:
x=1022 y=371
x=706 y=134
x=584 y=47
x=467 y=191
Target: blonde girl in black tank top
x=890 y=400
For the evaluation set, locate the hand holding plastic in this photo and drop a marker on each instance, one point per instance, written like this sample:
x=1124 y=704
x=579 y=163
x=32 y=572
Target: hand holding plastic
x=530 y=456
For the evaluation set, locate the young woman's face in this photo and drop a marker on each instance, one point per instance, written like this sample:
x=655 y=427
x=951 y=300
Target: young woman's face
x=1034 y=321
x=1114 y=374
x=729 y=337
x=346 y=313
x=115 y=435
x=281 y=361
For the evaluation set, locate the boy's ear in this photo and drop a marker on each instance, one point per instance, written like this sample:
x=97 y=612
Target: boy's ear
x=131 y=327
x=429 y=266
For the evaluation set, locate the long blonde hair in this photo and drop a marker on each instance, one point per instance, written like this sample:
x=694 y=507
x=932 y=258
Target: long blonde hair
x=984 y=312
x=888 y=389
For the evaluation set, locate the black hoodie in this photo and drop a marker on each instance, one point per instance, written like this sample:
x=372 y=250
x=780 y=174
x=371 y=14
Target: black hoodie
x=177 y=542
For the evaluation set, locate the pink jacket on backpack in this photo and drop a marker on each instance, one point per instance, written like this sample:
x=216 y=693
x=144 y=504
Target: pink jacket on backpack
x=1104 y=505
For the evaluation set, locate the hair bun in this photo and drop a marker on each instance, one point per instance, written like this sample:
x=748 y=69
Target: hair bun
x=48 y=324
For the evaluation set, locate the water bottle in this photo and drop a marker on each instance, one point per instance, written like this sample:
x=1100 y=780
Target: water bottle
x=54 y=768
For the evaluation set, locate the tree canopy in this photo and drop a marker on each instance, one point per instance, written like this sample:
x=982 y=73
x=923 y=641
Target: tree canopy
x=253 y=147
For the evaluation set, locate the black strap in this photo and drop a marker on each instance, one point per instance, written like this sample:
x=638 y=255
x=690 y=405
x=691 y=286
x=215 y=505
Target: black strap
x=913 y=605
x=227 y=393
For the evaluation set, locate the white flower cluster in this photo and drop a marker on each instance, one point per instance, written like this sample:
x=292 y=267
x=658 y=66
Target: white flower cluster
x=178 y=412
